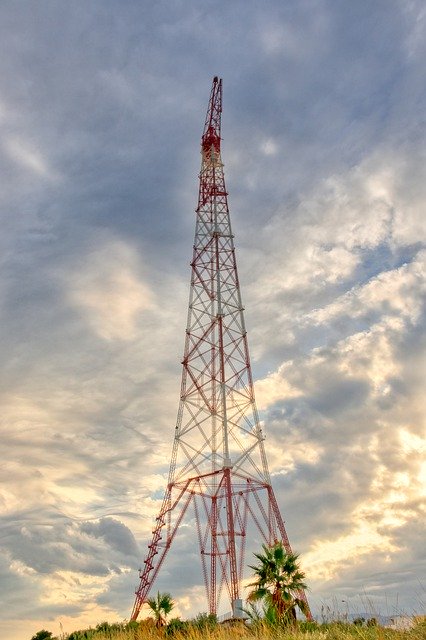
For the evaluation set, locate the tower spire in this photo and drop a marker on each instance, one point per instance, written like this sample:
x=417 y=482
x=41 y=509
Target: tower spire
x=218 y=472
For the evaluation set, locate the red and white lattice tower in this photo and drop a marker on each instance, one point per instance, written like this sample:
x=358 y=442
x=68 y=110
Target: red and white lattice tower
x=218 y=468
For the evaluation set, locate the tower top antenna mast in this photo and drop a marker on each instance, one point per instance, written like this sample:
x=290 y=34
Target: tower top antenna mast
x=214 y=111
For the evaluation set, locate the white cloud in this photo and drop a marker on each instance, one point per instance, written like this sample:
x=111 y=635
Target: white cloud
x=109 y=291
x=343 y=421
x=29 y=157
x=269 y=147
x=274 y=387
x=396 y=293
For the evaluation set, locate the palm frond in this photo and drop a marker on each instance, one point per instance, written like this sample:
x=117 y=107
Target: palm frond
x=257 y=594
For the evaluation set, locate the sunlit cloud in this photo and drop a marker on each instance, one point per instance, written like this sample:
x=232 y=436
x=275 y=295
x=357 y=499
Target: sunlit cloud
x=74 y=588
x=326 y=558
x=274 y=387
x=29 y=157
x=108 y=291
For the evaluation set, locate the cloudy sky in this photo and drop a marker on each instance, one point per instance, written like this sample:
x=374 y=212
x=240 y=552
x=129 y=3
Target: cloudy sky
x=102 y=106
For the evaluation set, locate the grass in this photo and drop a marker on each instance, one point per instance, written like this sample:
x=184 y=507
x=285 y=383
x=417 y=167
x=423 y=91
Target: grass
x=306 y=631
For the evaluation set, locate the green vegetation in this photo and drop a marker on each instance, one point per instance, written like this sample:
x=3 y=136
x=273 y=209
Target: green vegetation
x=277 y=584
x=42 y=635
x=147 y=630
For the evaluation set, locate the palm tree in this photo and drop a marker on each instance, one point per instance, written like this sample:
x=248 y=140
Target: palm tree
x=161 y=606
x=279 y=580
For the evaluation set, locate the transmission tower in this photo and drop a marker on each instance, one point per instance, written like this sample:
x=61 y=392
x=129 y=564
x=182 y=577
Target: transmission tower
x=218 y=468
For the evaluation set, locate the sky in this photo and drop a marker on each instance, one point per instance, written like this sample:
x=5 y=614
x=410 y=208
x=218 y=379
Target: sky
x=102 y=106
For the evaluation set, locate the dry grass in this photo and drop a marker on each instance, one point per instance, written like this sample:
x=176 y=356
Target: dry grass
x=331 y=631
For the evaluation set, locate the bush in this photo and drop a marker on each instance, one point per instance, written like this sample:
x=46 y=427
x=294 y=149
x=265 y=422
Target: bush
x=42 y=635
x=176 y=625
x=359 y=622
x=372 y=622
x=204 y=621
x=110 y=629
x=84 y=634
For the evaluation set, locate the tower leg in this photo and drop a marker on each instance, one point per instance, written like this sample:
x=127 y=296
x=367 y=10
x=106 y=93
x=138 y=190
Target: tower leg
x=233 y=573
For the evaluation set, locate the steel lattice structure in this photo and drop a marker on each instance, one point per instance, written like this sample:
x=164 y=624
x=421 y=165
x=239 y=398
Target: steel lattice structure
x=218 y=467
